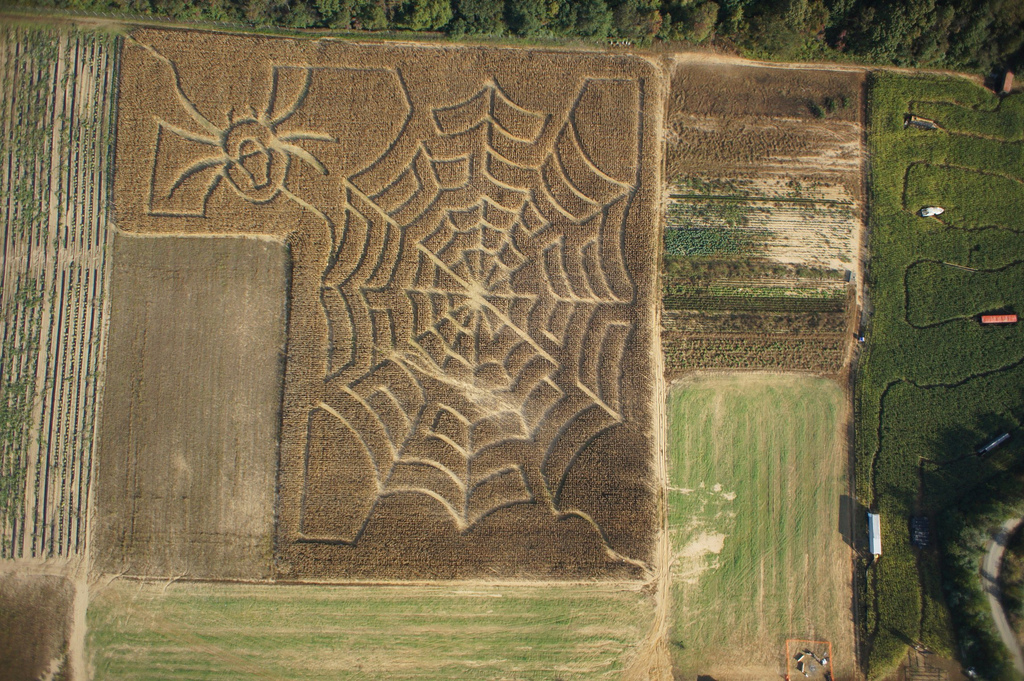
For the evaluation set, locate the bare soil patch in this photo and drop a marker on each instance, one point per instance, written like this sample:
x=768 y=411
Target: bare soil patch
x=188 y=447
x=470 y=378
x=735 y=90
x=35 y=625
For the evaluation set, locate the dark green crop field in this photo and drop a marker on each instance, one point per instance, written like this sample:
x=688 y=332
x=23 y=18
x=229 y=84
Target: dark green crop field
x=935 y=385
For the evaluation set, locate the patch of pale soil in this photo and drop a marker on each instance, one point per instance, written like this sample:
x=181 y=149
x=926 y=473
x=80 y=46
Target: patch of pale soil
x=709 y=542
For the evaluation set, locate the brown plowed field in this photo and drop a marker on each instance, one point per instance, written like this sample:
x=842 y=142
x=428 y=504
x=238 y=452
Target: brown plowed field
x=187 y=452
x=732 y=117
x=471 y=384
x=35 y=625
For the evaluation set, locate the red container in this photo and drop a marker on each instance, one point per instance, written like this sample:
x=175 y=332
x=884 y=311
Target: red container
x=999 y=319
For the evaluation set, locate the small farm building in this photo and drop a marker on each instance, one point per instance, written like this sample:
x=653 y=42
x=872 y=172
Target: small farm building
x=998 y=319
x=920 y=534
x=1007 y=83
x=918 y=122
x=875 y=534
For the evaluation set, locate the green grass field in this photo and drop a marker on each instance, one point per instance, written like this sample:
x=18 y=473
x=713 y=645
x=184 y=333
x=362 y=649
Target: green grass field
x=757 y=469
x=217 y=631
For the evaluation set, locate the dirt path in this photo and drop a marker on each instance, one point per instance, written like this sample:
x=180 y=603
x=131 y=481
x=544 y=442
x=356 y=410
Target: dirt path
x=652 y=660
x=990 y=566
x=723 y=58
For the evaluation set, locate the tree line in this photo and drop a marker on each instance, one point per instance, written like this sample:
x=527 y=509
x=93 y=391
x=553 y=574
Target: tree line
x=977 y=35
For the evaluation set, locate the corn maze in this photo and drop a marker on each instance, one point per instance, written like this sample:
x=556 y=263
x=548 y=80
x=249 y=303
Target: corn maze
x=56 y=123
x=470 y=345
x=936 y=384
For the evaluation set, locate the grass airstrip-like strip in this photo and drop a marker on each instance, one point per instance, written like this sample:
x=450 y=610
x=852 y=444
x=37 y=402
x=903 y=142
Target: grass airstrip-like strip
x=756 y=467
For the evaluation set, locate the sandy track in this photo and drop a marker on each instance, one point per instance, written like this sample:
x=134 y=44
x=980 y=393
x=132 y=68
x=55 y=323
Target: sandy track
x=990 y=566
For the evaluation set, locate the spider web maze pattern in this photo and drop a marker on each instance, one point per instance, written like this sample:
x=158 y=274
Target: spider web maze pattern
x=485 y=288
x=477 y=299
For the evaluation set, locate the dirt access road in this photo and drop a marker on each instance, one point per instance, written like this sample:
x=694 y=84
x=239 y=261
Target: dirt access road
x=990 y=583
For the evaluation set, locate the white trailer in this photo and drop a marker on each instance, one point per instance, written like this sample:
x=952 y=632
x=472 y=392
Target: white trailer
x=875 y=534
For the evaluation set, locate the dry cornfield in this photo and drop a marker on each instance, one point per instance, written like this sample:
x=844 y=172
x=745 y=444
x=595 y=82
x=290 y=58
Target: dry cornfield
x=471 y=379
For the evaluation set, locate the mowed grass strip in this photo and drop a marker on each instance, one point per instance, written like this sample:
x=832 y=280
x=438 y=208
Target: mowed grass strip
x=757 y=466
x=220 y=631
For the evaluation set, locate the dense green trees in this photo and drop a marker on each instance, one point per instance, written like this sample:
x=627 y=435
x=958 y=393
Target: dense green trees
x=478 y=17
x=959 y=34
x=424 y=15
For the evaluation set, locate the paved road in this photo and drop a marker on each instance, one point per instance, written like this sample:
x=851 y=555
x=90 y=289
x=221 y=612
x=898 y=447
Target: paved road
x=990 y=583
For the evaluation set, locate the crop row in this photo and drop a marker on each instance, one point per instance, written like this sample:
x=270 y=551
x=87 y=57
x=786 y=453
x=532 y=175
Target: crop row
x=820 y=353
x=758 y=322
x=765 y=188
x=764 y=288
x=767 y=215
x=755 y=303
x=701 y=271
x=55 y=131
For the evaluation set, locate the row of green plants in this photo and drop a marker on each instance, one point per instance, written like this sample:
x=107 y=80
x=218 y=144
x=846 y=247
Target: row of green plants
x=730 y=213
x=703 y=270
x=24 y=142
x=754 y=289
x=757 y=322
x=17 y=394
x=690 y=186
x=928 y=397
x=26 y=136
x=87 y=145
x=750 y=303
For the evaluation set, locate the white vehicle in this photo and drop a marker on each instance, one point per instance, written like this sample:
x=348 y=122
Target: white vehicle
x=930 y=211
